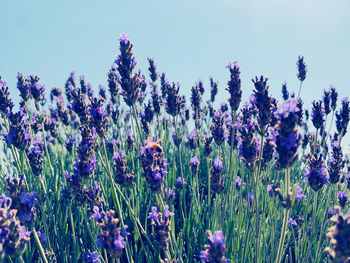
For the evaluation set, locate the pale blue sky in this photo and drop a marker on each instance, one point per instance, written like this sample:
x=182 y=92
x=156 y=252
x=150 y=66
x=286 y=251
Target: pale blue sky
x=188 y=39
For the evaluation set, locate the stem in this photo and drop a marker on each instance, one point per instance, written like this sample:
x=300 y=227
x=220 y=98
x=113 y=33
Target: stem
x=41 y=249
x=301 y=83
x=137 y=123
x=285 y=221
x=115 y=196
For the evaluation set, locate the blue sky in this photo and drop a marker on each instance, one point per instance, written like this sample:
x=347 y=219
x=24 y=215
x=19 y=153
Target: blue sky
x=189 y=40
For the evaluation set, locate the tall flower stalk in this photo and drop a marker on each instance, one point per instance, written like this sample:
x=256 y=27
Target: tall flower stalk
x=287 y=140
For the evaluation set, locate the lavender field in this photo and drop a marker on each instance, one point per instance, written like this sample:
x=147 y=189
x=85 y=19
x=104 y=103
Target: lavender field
x=136 y=172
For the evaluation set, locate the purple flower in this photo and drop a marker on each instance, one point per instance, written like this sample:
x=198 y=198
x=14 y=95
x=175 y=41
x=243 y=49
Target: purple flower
x=24 y=87
x=111 y=237
x=248 y=145
x=36 y=89
x=316 y=172
x=207 y=145
x=91 y=257
x=161 y=226
x=173 y=101
x=86 y=162
x=327 y=101
x=96 y=216
x=343 y=117
x=335 y=163
x=193 y=140
x=218 y=128
x=301 y=68
x=342 y=198
x=334 y=97
x=299 y=194
x=234 y=85
x=129 y=82
x=14 y=236
x=217 y=179
x=98 y=116
x=153 y=164
x=215 y=250
x=154 y=214
x=194 y=163
x=18 y=134
x=213 y=89
x=263 y=102
x=35 y=159
x=331 y=213
x=196 y=99
x=169 y=194
x=152 y=70
x=177 y=139
x=285 y=93
x=317 y=115
x=113 y=83
x=292 y=222
x=180 y=183
x=339 y=238
x=5 y=100
x=122 y=175
x=287 y=138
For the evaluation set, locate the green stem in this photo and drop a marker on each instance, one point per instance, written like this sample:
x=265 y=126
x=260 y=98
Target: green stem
x=285 y=221
x=137 y=123
x=41 y=249
x=301 y=83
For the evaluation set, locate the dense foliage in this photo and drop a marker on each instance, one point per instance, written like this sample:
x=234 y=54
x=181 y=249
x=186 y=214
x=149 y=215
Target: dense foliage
x=133 y=174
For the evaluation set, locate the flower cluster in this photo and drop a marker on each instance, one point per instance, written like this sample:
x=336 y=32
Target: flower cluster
x=343 y=117
x=213 y=89
x=122 y=175
x=113 y=84
x=35 y=159
x=316 y=172
x=194 y=163
x=130 y=84
x=214 y=252
x=23 y=85
x=218 y=128
x=285 y=93
x=301 y=68
x=342 y=198
x=335 y=163
x=248 y=145
x=287 y=138
x=317 y=115
x=22 y=201
x=98 y=116
x=85 y=164
x=161 y=226
x=217 y=178
x=153 y=164
x=193 y=140
x=234 y=86
x=93 y=257
x=79 y=105
x=196 y=99
x=18 y=134
x=263 y=102
x=111 y=237
x=173 y=101
x=36 y=89
x=5 y=100
x=339 y=236
x=289 y=201
x=13 y=235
